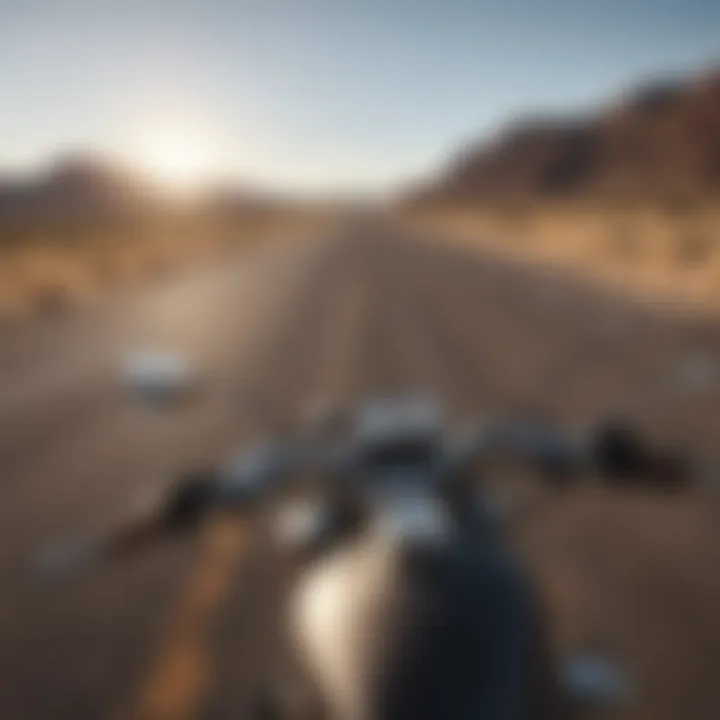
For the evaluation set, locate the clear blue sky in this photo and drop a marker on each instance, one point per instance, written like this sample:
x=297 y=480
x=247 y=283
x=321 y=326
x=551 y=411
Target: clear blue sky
x=317 y=94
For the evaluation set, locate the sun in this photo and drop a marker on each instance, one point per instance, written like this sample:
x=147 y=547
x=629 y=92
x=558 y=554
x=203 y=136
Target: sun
x=179 y=159
x=178 y=166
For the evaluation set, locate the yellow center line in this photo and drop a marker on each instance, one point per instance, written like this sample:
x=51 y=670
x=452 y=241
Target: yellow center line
x=179 y=677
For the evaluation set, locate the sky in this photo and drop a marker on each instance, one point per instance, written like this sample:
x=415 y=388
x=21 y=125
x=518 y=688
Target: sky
x=317 y=95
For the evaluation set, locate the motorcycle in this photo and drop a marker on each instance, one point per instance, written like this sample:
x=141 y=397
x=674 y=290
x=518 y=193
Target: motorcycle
x=405 y=599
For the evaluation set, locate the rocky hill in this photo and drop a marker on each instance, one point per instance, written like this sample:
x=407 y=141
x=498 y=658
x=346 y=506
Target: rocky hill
x=661 y=141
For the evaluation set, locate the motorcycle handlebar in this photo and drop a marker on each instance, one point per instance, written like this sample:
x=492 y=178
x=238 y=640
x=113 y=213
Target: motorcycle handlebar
x=613 y=453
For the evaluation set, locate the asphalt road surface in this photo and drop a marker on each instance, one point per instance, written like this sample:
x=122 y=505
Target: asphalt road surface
x=366 y=308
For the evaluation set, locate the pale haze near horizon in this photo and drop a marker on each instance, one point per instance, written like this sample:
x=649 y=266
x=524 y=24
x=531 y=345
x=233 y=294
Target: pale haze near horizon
x=317 y=95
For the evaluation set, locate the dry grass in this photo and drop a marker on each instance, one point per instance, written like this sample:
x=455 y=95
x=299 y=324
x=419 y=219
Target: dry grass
x=46 y=269
x=664 y=250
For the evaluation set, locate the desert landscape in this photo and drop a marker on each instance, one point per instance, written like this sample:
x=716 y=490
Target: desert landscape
x=85 y=228
x=629 y=195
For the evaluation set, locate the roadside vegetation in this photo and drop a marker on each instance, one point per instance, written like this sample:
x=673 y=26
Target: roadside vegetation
x=49 y=263
x=667 y=248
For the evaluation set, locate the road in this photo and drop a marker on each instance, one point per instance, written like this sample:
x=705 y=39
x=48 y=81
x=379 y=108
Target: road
x=365 y=308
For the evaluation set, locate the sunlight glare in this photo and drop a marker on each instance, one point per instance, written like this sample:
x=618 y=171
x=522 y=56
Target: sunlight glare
x=180 y=160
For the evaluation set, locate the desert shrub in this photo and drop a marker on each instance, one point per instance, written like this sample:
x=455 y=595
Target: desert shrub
x=678 y=207
x=693 y=247
x=624 y=239
x=52 y=300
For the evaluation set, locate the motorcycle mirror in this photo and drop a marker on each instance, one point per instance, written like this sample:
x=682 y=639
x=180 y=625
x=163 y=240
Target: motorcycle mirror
x=159 y=378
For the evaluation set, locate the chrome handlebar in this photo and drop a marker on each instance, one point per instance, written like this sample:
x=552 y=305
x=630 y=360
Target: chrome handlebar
x=613 y=454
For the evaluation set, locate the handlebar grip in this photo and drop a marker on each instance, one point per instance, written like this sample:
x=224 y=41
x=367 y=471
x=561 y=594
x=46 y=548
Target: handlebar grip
x=190 y=498
x=620 y=456
x=58 y=563
x=617 y=452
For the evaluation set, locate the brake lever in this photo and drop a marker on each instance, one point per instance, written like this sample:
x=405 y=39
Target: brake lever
x=622 y=457
x=239 y=485
x=56 y=564
x=179 y=509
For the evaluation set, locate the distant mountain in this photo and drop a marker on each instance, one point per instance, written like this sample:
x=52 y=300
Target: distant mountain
x=661 y=141
x=87 y=189
x=74 y=186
